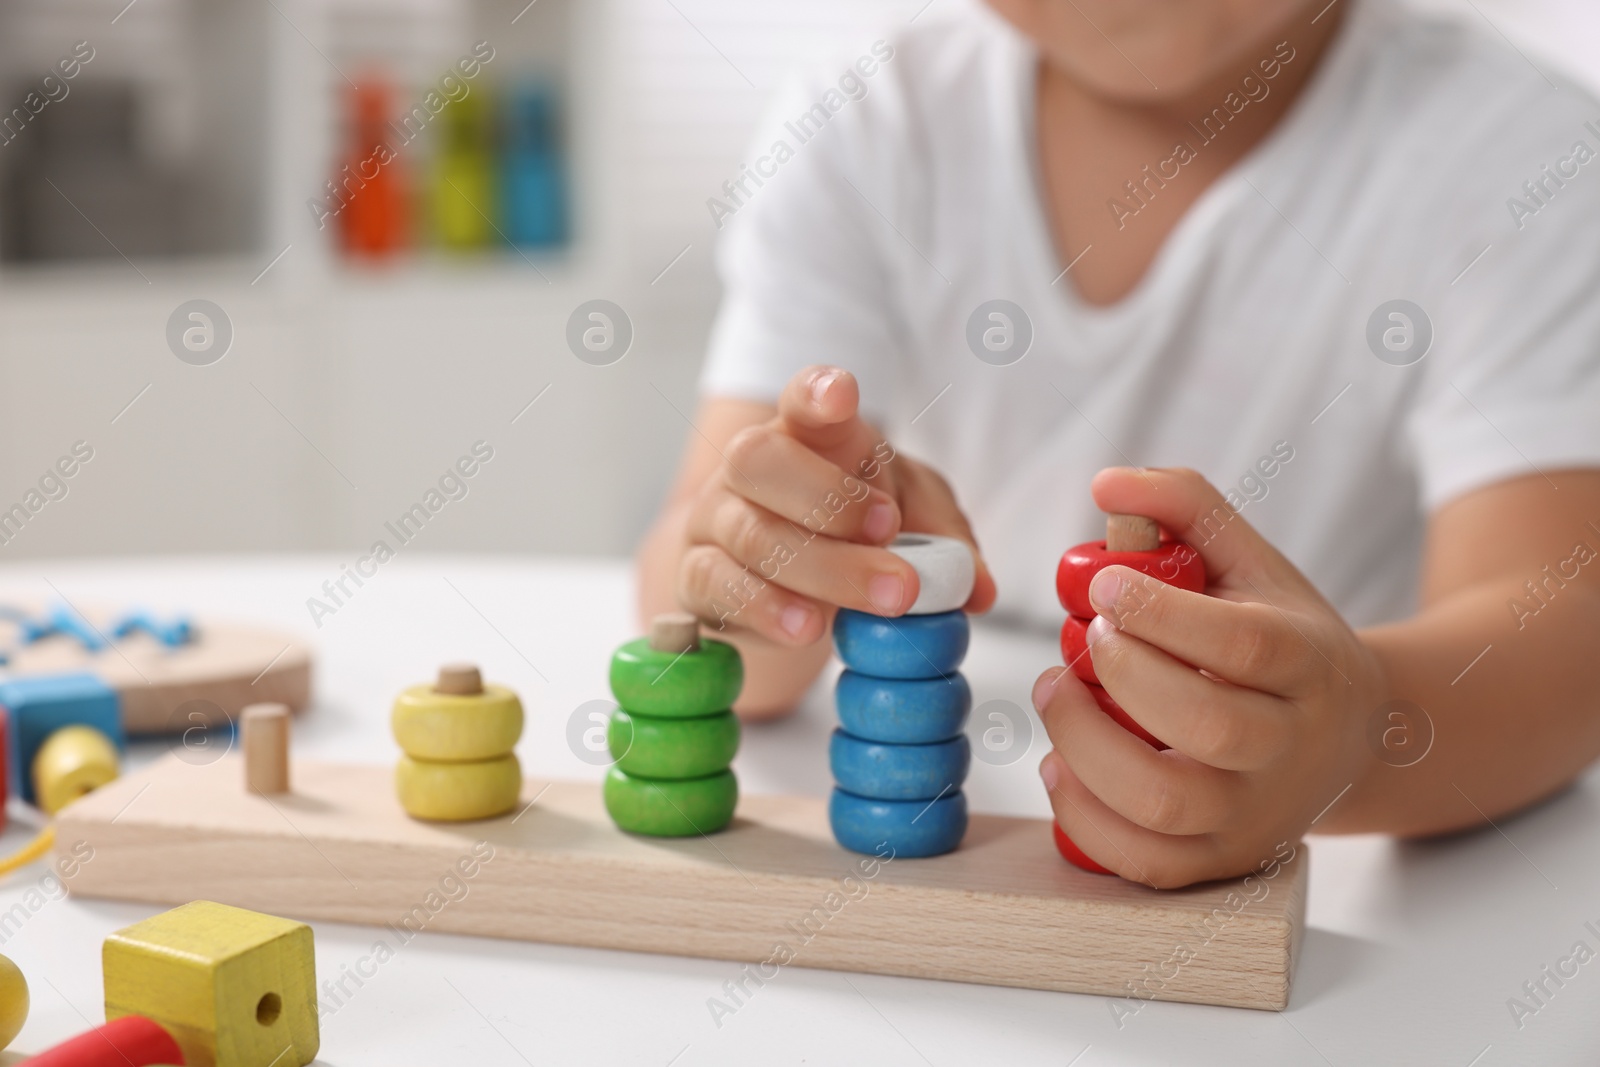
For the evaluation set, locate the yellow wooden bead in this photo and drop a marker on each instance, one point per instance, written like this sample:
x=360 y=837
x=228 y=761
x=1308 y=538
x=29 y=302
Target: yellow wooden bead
x=72 y=761
x=13 y=1001
x=234 y=988
x=430 y=725
x=454 y=792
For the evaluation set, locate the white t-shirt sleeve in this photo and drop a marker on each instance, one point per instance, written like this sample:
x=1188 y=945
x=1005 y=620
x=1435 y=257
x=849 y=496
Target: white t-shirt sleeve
x=1512 y=386
x=800 y=261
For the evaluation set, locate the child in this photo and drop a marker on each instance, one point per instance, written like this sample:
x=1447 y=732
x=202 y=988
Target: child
x=1340 y=259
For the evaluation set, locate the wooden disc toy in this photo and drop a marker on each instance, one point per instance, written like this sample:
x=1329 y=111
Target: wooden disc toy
x=167 y=674
x=1172 y=562
x=674 y=734
x=899 y=758
x=1131 y=541
x=945 y=570
x=458 y=737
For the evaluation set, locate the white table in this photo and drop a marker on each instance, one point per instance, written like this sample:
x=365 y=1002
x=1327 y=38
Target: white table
x=1412 y=952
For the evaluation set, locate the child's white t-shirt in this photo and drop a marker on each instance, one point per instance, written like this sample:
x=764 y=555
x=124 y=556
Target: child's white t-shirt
x=906 y=194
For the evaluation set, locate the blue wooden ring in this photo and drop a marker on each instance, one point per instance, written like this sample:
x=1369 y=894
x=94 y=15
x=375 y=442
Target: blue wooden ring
x=902 y=711
x=898 y=772
x=898 y=829
x=912 y=646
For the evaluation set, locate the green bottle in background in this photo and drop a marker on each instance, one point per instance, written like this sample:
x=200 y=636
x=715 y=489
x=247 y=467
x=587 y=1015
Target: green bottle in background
x=462 y=199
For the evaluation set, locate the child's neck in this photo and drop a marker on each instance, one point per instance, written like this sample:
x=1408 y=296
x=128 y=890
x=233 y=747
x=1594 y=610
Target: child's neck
x=1092 y=148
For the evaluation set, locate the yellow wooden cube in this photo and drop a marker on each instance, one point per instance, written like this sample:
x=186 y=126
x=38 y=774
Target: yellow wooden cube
x=235 y=988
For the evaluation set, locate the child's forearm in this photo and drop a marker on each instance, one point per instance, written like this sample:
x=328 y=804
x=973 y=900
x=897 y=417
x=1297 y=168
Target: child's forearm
x=776 y=677
x=1508 y=728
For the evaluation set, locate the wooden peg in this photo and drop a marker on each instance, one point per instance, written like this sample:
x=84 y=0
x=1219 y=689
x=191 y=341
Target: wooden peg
x=675 y=631
x=459 y=680
x=264 y=733
x=1132 y=533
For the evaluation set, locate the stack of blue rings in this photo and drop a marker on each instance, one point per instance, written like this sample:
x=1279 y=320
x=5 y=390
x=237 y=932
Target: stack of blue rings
x=900 y=755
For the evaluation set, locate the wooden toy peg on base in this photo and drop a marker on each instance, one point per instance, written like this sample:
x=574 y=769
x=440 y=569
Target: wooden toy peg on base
x=264 y=735
x=459 y=680
x=675 y=631
x=1132 y=533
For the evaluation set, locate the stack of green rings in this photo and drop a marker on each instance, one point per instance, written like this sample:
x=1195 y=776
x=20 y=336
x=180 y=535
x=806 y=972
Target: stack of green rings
x=673 y=735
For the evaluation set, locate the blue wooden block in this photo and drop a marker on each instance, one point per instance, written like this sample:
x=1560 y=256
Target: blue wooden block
x=39 y=707
x=903 y=829
x=903 y=711
x=912 y=646
x=898 y=772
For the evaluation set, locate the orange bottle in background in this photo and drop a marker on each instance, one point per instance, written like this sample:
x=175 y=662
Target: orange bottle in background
x=369 y=186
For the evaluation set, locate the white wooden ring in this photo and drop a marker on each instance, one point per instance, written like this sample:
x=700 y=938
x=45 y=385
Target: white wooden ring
x=945 y=571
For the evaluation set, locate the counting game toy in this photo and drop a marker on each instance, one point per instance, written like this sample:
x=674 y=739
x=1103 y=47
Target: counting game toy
x=579 y=864
x=674 y=733
x=150 y=674
x=1131 y=541
x=900 y=755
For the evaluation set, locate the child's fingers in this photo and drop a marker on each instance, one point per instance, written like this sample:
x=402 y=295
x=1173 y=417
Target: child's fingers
x=724 y=595
x=789 y=479
x=1192 y=510
x=1249 y=644
x=777 y=552
x=928 y=505
x=1164 y=861
x=1218 y=723
x=1161 y=791
x=820 y=406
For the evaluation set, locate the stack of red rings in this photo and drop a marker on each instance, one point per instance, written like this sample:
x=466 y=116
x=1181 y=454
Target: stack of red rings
x=1131 y=541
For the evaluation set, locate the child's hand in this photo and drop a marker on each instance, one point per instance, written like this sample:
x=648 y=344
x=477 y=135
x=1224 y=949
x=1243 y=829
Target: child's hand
x=1258 y=751
x=792 y=522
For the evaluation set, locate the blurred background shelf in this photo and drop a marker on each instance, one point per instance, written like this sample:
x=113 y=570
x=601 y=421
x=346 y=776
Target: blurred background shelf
x=179 y=162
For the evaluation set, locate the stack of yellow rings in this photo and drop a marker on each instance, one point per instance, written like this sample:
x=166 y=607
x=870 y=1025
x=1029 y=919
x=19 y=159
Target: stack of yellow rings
x=458 y=737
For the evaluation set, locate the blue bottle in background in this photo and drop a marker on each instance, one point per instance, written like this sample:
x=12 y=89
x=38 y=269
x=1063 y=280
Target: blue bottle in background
x=533 y=188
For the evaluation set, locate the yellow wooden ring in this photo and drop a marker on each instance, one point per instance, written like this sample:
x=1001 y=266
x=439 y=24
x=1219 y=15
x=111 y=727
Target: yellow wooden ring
x=454 y=792
x=72 y=761
x=430 y=725
x=13 y=1001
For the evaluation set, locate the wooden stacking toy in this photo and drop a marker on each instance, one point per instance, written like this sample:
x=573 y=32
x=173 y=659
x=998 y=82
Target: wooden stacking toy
x=458 y=737
x=235 y=988
x=900 y=755
x=1131 y=541
x=673 y=735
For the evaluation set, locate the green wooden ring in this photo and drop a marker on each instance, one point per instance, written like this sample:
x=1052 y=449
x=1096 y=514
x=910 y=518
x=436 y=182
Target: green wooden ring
x=673 y=685
x=664 y=808
x=646 y=747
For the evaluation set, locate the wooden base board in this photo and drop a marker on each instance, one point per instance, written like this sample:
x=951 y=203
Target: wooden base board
x=1004 y=909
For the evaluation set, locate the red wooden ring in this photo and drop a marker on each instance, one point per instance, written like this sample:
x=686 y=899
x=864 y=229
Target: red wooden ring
x=1075 y=649
x=1174 y=563
x=1072 y=853
x=1123 y=719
